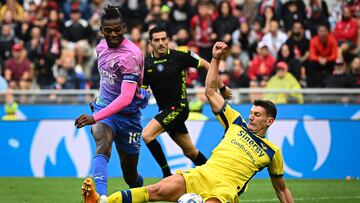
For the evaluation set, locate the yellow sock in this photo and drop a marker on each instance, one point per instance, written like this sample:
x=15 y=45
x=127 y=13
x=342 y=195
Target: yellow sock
x=135 y=195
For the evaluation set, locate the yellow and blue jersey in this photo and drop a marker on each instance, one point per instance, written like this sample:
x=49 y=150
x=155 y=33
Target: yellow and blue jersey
x=241 y=154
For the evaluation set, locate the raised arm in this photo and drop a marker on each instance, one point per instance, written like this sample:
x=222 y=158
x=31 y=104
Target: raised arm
x=226 y=92
x=282 y=192
x=215 y=100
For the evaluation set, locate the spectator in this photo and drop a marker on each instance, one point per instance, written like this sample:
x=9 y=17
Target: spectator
x=321 y=5
x=182 y=40
x=246 y=38
x=23 y=28
x=52 y=44
x=265 y=19
x=225 y=24
x=78 y=36
x=237 y=53
x=134 y=11
x=201 y=29
x=14 y=7
x=180 y=14
x=7 y=39
x=275 y=38
x=77 y=29
x=261 y=66
x=292 y=13
x=135 y=36
x=317 y=17
x=346 y=31
x=283 y=80
x=34 y=46
x=10 y=107
x=340 y=77
x=298 y=44
x=154 y=15
x=323 y=53
x=355 y=70
x=18 y=68
x=238 y=75
x=295 y=66
x=83 y=8
x=275 y=5
x=250 y=10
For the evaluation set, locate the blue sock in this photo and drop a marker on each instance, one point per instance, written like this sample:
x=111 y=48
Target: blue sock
x=138 y=183
x=100 y=173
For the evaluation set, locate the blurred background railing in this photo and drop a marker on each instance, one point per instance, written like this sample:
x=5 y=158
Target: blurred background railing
x=243 y=95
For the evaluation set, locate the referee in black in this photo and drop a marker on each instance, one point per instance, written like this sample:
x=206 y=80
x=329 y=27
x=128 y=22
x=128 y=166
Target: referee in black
x=165 y=74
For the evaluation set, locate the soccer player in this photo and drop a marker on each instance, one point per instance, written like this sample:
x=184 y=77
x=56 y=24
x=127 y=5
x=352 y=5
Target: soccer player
x=116 y=115
x=237 y=158
x=165 y=74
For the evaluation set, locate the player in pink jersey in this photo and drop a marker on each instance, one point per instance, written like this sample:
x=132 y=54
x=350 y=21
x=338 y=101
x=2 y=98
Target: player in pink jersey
x=116 y=110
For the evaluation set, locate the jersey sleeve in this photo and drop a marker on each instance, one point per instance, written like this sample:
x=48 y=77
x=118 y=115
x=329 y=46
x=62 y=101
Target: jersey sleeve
x=132 y=65
x=276 y=167
x=145 y=84
x=190 y=59
x=227 y=115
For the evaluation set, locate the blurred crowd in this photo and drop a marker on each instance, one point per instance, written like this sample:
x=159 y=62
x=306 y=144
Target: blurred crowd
x=289 y=44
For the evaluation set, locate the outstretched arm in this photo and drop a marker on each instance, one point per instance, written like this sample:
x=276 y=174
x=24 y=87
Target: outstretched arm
x=225 y=91
x=124 y=99
x=282 y=192
x=215 y=100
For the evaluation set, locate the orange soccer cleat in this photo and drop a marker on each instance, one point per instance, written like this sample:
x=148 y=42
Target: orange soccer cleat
x=88 y=192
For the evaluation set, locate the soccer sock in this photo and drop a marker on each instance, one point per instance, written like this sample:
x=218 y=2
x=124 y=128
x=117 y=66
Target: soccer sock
x=100 y=173
x=135 y=195
x=139 y=182
x=200 y=159
x=157 y=152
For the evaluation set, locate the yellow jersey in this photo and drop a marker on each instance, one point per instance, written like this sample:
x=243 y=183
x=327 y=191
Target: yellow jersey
x=241 y=154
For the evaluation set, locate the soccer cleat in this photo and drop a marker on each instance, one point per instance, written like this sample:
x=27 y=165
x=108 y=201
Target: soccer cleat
x=88 y=192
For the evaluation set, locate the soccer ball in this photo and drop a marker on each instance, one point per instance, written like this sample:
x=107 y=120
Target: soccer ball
x=190 y=198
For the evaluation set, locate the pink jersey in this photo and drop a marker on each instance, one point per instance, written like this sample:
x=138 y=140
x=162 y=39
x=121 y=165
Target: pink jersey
x=125 y=62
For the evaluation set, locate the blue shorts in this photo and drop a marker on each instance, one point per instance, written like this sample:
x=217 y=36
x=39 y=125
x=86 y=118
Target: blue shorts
x=126 y=128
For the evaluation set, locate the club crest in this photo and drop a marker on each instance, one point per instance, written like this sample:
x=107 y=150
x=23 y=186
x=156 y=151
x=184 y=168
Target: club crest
x=160 y=67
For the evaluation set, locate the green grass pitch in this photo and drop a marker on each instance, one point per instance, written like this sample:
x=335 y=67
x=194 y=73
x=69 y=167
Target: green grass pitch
x=46 y=190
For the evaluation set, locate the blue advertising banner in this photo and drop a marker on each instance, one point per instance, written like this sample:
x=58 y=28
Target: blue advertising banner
x=317 y=141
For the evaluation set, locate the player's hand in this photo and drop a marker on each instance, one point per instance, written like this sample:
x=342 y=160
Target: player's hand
x=84 y=120
x=219 y=49
x=227 y=93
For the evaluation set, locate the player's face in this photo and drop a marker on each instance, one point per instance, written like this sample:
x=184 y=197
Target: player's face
x=113 y=32
x=258 y=119
x=160 y=43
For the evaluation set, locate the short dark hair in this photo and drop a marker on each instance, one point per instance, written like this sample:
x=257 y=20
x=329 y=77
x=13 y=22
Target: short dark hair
x=269 y=107
x=156 y=29
x=111 y=12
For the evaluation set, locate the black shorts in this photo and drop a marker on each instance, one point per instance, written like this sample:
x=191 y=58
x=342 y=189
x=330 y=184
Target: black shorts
x=172 y=118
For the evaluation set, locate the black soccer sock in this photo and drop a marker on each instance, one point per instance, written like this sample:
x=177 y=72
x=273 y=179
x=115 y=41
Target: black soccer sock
x=157 y=152
x=200 y=159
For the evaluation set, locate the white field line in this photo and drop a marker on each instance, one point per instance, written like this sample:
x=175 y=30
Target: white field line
x=303 y=199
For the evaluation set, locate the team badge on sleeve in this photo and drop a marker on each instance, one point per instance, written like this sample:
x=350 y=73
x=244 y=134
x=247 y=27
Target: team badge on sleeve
x=195 y=55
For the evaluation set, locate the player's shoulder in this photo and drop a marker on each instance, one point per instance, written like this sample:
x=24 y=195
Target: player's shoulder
x=271 y=145
x=101 y=46
x=132 y=48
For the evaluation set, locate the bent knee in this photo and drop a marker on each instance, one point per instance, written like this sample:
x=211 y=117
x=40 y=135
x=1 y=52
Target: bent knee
x=191 y=152
x=147 y=137
x=103 y=148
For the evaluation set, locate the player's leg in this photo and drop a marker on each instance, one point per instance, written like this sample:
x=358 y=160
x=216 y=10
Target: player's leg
x=128 y=143
x=168 y=189
x=129 y=164
x=149 y=134
x=103 y=136
x=188 y=148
